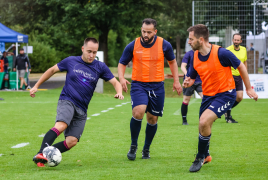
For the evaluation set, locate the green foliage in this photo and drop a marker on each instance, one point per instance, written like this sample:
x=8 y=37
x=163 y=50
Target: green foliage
x=44 y=56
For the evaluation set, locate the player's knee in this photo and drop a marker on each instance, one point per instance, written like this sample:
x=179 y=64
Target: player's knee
x=202 y=123
x=239 y=98
x=138 y=114
x=71 y=141
x=152 y=121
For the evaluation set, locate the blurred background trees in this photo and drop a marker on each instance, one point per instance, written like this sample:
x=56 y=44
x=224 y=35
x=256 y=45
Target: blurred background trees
x=57 y=28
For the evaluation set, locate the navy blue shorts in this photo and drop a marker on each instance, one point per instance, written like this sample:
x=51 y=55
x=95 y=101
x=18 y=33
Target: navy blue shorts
x=219 y=103
x=238 y=83
x=150 y=94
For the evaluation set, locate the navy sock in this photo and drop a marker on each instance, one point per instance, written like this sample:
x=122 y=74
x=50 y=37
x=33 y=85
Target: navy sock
x=235 y=104
x=62 y=146
x=149 y=135
x=135 y=127
x=207 y=150
x=203 y=145
x=49 y=138
x=228 y=112
x=184 y=110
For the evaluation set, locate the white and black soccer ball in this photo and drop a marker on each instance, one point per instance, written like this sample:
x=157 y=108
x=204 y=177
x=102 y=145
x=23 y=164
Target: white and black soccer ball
x=53 y=156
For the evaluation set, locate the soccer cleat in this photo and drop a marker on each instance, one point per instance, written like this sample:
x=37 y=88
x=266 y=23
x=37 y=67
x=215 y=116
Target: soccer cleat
x=197 y=164
x=131 y=155
x=184 y=123
x=28 y=87
x=145 y=154
x=207 y=159
x=39 y=158
x=39 y=164
x=230 y=120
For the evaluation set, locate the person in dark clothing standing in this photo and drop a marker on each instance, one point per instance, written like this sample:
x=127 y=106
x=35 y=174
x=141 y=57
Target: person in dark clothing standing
x=20 y=63
x=4 y=57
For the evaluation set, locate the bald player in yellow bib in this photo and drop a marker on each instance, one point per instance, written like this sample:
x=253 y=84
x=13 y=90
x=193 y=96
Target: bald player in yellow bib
x=241 y=53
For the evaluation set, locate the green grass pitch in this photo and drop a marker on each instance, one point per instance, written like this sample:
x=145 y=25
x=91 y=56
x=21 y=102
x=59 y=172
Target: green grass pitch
x=239 y=151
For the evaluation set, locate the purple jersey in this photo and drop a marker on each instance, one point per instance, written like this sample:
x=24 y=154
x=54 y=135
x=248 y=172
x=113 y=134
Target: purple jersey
x=226 y=57
x=188 y=57
x=128 y=52
x=81 y=79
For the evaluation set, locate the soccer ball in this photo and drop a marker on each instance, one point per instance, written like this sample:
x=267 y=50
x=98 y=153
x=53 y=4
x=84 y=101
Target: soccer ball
x=53 y=156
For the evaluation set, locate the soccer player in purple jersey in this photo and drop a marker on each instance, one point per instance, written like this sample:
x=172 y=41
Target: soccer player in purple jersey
x=82 y=76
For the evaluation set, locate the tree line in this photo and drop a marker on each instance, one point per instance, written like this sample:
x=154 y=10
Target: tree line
x=57 y=28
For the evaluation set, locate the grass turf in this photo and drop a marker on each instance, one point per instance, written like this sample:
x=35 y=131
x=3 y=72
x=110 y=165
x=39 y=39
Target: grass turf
x=239 y=151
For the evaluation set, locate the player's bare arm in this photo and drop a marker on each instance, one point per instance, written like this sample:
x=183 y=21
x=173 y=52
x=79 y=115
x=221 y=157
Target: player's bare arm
x=50 y=72
x=183 y=68
x=118 y=88
x=174 y=70
x=244 y=74
x=121 y=72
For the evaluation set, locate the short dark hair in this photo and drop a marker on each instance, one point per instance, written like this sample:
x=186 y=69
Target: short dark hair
x=92 y=39
x=149 y=21
x=251 y=44
x=200 y=30
x=237 y=34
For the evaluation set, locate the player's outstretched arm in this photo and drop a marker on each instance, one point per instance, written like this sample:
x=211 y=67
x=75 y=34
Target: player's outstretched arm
x=43 y=78
x=121 y=72
x=118 y=88
x=188 y=82
x=244 y=74
x=174 y=70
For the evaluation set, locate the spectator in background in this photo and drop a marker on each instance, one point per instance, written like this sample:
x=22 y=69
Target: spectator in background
x=251 y=47
x=4 y=57
x=20 y=63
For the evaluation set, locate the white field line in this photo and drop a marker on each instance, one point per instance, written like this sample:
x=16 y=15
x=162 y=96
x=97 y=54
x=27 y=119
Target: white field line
x=178 y=112
x=20 y=145
x=97 y=114
x=1 y=155
x=41 y=135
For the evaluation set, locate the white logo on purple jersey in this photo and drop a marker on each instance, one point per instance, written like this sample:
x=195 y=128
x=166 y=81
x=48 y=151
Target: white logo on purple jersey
x=83 y=73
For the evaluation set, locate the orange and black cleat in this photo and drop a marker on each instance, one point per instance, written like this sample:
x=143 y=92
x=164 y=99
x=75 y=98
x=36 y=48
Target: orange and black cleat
x=40 y=160
x=208 y=159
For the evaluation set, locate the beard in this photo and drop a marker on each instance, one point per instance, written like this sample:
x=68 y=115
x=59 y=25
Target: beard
x=147 y=41
x=196 y=46
x=236 y=45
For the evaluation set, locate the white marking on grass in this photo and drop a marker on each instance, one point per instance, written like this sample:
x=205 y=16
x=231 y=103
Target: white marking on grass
x=110 y=108
x=118 y=105
x=178 y=112
x=88 y=118
x=97 y=114
x=1 y=155
x=124 y=103
x=104 y=110
x=41 y=135
x=20 y=145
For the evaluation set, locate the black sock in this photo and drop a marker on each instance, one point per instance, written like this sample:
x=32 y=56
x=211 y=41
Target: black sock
x=203 y=145
x=235 y=104
x=149 y=135
x=135 y=127
x=228 y=113
x=49 y=138
x=62 y=146
x=207 y=150
x=184 y=110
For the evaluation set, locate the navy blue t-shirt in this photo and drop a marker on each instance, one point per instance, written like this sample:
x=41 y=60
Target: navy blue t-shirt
x=187 y=59
x=81 y=79
x=128 y=52
x=226 y=57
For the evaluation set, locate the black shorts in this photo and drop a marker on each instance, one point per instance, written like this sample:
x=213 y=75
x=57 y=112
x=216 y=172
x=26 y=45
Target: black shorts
x=238 y=83
x=190 y=91
x=73 y=116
